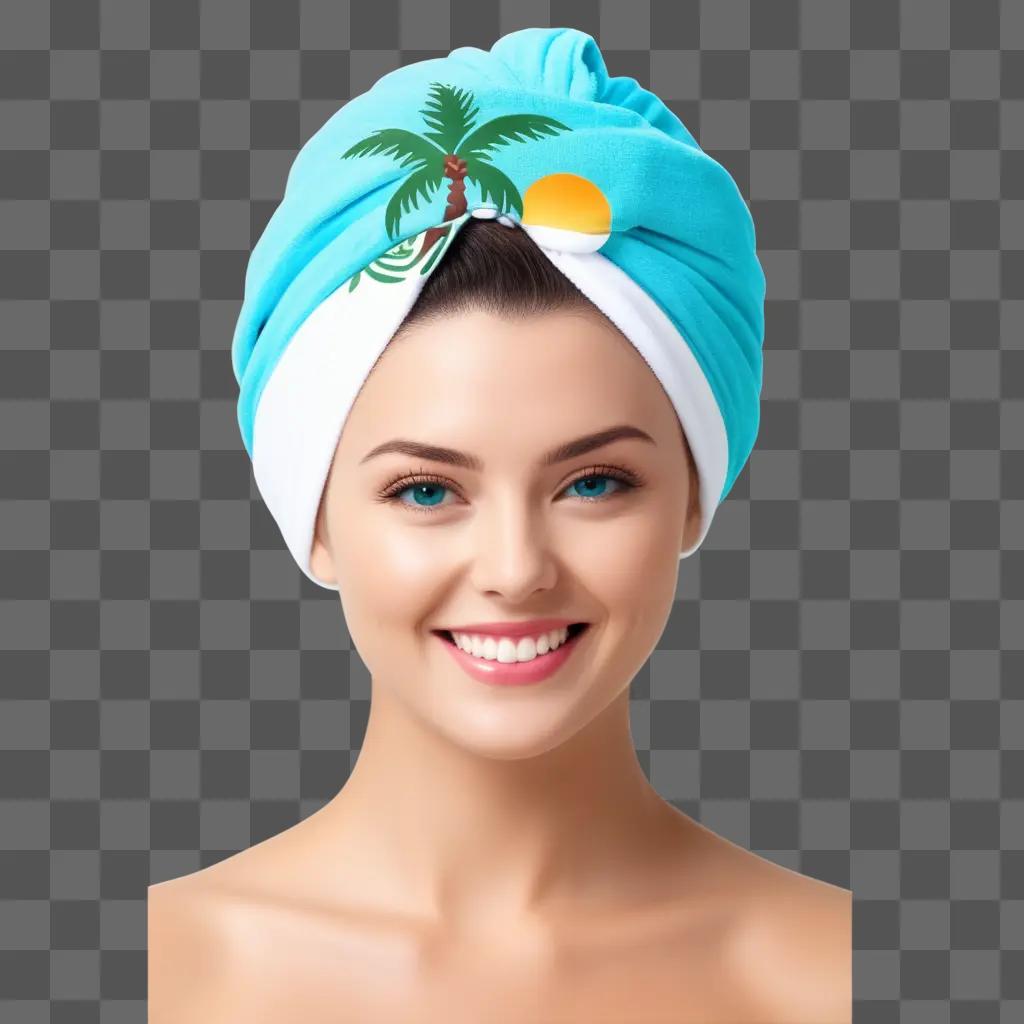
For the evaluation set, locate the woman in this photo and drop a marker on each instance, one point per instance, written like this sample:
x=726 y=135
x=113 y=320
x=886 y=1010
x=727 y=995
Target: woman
x=498 y=467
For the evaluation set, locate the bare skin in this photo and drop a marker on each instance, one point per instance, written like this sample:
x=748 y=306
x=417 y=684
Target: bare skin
x=497 y=852
x=731 y=938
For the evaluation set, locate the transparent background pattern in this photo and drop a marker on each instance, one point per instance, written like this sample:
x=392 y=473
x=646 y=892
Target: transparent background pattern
x=839 y=687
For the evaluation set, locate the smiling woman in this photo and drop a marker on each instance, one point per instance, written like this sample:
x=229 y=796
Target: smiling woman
x=490 y=531
x=495 y=439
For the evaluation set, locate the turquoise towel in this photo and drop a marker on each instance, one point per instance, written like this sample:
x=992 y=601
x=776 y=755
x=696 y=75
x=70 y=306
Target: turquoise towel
x=604 y=177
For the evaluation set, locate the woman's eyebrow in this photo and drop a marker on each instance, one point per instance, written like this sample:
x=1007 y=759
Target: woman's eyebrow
x=568 y=450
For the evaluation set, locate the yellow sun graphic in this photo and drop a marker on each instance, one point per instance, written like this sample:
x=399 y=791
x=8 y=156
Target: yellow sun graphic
x=565 y=211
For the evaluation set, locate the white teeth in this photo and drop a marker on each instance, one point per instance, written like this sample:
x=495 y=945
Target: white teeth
x=507 y=650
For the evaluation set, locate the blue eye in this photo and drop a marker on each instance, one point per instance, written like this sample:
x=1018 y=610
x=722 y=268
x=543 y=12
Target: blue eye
x=590 y=482
x=431 y=496
x=428 y=492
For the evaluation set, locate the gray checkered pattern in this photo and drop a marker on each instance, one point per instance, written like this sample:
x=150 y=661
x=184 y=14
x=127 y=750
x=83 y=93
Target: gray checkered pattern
x=839 y=685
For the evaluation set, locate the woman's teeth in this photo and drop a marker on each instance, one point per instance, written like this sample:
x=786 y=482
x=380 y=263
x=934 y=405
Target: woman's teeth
x=507 y=650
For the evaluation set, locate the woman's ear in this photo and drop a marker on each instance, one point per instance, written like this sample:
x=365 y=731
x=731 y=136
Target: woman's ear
x=321 y=562
x=691 y=528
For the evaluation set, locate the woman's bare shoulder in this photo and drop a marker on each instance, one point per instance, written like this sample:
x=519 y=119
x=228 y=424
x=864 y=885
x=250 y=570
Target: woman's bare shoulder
x=796 y=945
x=194 y=971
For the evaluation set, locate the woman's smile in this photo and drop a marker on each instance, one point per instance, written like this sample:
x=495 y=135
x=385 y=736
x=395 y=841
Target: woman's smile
x=500 y=660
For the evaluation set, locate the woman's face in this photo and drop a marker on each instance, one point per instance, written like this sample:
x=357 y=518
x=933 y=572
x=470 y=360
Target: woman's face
x=517 y=539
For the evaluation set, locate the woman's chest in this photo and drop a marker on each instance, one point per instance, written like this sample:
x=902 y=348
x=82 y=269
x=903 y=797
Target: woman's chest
x=348 y=973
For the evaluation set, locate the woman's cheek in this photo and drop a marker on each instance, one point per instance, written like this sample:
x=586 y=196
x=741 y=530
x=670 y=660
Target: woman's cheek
x=394 y=568
x=407 y=550
x=632 y=544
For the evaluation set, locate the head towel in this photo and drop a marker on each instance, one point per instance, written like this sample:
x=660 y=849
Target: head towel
x=601 y=174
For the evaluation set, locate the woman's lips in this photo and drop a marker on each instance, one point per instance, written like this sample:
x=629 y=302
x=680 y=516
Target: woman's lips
x=515 y=673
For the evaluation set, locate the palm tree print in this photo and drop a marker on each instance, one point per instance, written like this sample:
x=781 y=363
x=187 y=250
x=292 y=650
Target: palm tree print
x=390 y=267
x=456 y=150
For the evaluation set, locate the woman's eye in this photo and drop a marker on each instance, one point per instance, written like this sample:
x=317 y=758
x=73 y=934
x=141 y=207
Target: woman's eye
x=595 y=485
x=428 y=494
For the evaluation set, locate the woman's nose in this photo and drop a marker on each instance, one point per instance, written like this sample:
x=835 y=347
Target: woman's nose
x=512 y=551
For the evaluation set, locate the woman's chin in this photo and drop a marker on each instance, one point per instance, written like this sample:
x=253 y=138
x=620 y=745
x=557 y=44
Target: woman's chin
x=509 y=733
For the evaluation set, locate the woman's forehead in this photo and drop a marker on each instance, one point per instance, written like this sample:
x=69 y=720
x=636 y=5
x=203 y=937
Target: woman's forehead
x=532 y=385
x=479 y=354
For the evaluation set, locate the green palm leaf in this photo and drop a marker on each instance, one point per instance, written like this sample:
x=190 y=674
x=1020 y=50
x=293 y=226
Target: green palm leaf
x=494 y=184
x=448 y=112
x=511 y=128
x=408 y=146
x=422 y=182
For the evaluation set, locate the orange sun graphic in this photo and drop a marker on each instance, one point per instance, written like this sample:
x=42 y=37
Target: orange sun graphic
x=565 y=211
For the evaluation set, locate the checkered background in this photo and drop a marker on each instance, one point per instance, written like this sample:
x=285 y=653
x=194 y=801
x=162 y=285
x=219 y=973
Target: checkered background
x=839 y=687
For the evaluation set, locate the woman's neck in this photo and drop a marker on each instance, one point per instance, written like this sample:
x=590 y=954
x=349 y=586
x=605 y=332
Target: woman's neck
x=445 y=833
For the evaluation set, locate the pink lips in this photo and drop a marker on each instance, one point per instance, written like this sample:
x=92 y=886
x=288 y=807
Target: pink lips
x=516 y=673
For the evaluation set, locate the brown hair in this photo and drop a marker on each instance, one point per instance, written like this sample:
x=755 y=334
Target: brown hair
x=498 y=269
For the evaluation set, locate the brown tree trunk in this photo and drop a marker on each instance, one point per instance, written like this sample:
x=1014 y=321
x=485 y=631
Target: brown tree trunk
x=455 y=170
